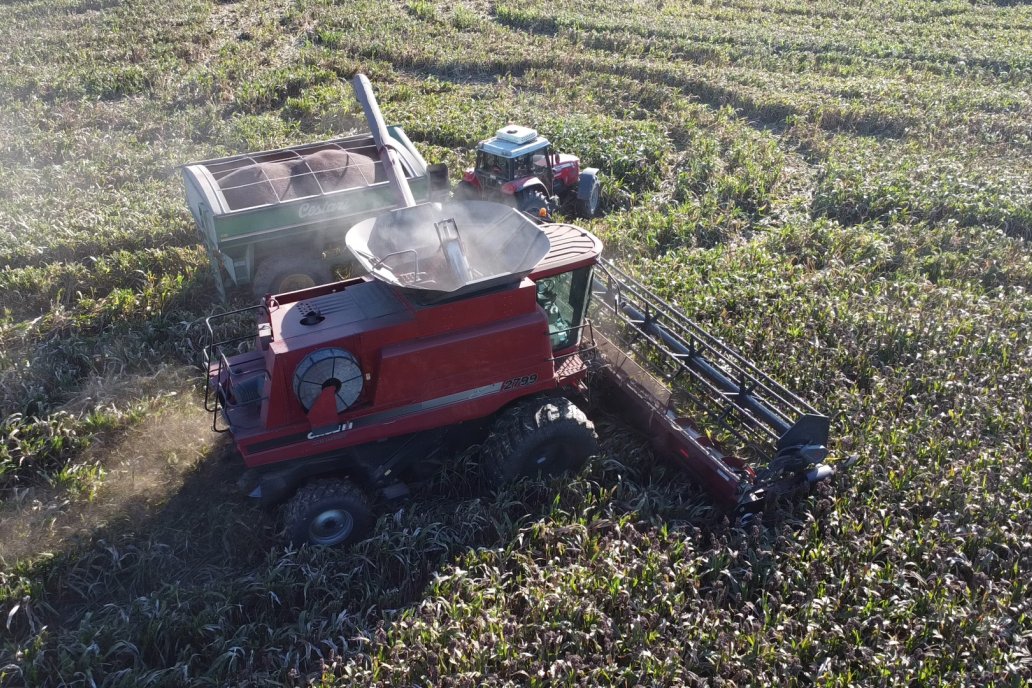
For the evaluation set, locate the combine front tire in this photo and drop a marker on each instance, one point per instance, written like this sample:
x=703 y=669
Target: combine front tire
x=538 y=437
x=326 y=513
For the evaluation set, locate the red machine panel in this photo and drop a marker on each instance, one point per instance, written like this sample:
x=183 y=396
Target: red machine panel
x=421 y=366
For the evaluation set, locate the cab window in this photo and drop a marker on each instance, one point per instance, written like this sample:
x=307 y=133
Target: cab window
x=494 y=165
x=564 y=298
x=523 y=166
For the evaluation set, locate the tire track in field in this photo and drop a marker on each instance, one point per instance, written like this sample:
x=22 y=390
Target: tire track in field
x=242 y=21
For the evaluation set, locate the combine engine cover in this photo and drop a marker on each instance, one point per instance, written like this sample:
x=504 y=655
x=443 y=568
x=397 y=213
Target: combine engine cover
x=445 y=329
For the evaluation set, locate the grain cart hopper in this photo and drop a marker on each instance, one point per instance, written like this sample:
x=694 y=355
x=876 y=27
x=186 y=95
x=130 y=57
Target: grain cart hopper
x=475 y=319
x=275 y=220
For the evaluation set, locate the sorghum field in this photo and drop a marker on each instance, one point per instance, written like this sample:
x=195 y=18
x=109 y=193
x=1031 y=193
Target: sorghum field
x=841 y=188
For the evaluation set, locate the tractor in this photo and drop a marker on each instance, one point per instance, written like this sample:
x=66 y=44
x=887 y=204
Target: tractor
x=476 y=323
x=517 y=166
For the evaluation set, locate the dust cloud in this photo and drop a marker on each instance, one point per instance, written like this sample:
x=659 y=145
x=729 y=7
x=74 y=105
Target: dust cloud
x=143 y=466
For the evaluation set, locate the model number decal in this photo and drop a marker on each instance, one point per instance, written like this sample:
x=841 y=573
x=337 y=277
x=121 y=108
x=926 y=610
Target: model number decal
x=517 y=382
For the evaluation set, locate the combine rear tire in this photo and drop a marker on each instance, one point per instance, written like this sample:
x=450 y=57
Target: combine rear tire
x=327 y=513
x=280 y=274
x=538 y=437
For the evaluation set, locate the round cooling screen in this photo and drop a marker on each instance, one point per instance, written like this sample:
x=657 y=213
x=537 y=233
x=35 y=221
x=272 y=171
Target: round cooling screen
x=324 y=368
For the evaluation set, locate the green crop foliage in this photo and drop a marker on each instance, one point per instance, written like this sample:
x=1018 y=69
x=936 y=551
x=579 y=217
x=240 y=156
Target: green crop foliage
x=842 y=190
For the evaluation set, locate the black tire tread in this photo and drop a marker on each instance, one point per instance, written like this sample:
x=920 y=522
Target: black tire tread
x=271 y=269
x=315 y=491
x=531 y=199
x=584 y=207
x=517 y=429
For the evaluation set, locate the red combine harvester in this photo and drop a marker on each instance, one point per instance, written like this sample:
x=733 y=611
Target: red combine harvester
x=475 y=318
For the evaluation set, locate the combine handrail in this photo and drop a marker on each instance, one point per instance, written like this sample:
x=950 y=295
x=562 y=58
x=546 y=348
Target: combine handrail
x=214 y=349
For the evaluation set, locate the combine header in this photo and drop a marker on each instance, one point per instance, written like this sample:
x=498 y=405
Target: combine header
x=713 y=383
x=476 y=323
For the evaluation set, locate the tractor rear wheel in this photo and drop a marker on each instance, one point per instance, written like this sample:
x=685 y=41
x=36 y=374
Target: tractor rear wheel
x=280 y=274
x=587 y=207
x=326 y=513
x=532 y=202
x=538 y=437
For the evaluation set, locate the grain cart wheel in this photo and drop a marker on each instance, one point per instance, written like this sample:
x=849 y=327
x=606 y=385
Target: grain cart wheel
x=280 y=274
x=588 y=193
x=538 y=437
x=532 y=202
x=328 y=512
x=464 y=191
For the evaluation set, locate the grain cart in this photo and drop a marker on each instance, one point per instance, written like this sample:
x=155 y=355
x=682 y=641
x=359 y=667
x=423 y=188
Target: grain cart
x=518 y=166
x=275 y=221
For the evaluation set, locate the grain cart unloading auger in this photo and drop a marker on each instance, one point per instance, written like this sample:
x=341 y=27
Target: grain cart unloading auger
x=474 y=318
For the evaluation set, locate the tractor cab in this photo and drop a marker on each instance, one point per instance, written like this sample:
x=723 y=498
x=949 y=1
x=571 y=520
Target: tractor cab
x=518 y=166
x=513 y=157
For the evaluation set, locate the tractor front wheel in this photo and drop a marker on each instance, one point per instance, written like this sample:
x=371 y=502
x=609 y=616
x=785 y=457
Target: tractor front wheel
x=538 y=437
x=280 y=274
x=589 y=195
x=327 y=513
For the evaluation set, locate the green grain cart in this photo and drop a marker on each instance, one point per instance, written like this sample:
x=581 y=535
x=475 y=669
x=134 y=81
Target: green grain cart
x=275 y=221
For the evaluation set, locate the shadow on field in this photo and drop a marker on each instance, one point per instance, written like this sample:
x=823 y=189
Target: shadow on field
x=195 y=580
x=170 y=520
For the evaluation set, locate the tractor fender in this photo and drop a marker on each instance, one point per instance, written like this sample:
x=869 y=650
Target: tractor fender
x=588 y=179
x=520 y=185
